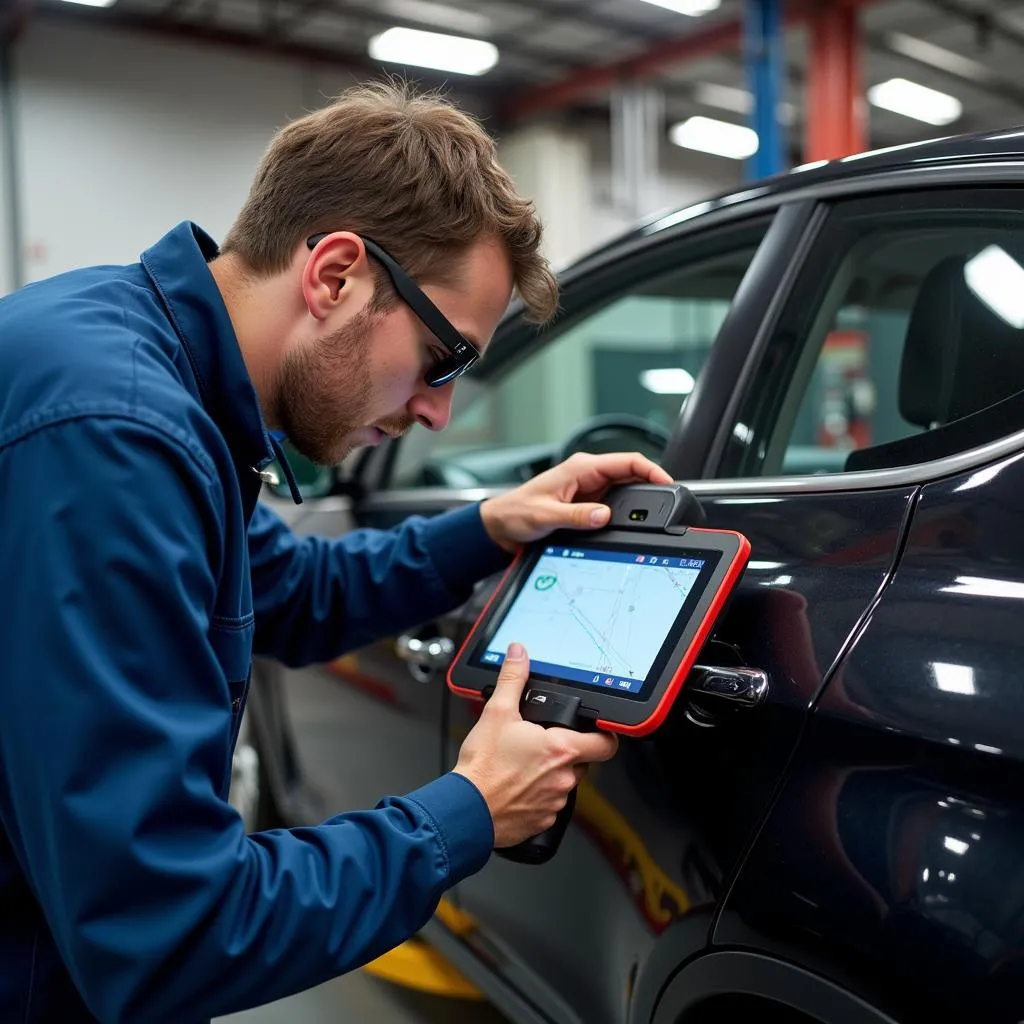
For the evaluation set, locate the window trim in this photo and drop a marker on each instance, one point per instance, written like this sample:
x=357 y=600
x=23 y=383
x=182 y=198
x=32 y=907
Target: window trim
x=872 y=479
x=982 y=457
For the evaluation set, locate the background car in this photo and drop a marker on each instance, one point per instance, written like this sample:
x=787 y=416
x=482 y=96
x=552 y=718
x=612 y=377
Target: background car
x=833 y=361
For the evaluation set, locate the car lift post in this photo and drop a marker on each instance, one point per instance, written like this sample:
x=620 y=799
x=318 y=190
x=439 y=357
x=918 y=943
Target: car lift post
x=835 y=99
x=763 y=56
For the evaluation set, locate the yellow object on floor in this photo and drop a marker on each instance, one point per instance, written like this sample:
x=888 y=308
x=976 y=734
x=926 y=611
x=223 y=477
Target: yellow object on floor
x=417 y=965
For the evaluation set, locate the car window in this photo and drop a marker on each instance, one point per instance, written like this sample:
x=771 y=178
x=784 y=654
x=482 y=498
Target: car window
x=614 y=378
x=902 y=341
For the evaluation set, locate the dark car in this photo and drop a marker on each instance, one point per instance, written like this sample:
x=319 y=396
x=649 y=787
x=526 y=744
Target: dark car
x=833 y=362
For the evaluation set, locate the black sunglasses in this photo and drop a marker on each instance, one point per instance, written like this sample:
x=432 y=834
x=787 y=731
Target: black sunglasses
x=462 y=354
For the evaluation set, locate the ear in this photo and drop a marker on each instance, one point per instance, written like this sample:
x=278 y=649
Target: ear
x=337 y=274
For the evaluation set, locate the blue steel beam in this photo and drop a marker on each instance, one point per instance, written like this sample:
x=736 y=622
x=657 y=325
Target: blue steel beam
x=763 y=55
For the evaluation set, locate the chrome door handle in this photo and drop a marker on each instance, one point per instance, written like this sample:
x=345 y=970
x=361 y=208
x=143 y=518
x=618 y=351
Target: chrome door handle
x=433 y=654
x=744 y=687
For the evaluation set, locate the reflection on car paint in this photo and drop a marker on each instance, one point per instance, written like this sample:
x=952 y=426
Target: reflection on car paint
x=658 y=898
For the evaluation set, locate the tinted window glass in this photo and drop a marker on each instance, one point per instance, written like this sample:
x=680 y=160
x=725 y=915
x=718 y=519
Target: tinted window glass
x=615 y=379
x=902 y=342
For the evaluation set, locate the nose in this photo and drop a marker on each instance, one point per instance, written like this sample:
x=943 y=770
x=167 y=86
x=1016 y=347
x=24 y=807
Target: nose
x=433 y=406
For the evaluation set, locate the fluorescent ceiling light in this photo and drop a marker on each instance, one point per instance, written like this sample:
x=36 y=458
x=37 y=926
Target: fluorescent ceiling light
x=954 y=678
x=739 y=101
x=694 y=8
x=707 y=135
x=93 y=3
x=997 y=279
x=673 y=380
x=434 y=50
x=954 y=845
x=937 y=57
x=455 y=19
x=918 y=101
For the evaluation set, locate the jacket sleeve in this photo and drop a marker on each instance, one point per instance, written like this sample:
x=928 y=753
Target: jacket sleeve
x=115 y=738
x=315 y=598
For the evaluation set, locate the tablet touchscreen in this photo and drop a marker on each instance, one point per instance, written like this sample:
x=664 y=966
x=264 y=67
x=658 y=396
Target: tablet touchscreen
x=600 y=616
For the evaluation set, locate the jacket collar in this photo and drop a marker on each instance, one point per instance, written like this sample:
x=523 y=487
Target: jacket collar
x=177 y=265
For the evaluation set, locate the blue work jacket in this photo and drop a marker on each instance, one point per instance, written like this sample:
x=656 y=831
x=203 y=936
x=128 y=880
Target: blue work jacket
x=139 y=576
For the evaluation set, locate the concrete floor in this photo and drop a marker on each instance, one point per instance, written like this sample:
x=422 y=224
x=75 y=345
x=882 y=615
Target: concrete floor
x=359 y=998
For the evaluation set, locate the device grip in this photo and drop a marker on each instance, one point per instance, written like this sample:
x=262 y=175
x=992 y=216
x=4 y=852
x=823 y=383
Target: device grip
x=546 y=708
x=540 y=849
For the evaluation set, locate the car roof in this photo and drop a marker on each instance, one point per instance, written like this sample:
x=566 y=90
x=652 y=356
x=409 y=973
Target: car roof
x=1005 y=144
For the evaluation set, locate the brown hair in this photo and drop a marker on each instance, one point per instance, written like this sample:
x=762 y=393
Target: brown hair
x=415 y=174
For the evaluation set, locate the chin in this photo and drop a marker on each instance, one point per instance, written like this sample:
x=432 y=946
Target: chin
x=368 y=437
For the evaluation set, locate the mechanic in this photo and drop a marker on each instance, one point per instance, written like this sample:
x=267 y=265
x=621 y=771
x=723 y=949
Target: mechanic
x=140 y=406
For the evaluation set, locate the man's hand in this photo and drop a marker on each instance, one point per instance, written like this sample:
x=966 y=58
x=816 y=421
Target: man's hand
x=567 y=496
x=523 y=771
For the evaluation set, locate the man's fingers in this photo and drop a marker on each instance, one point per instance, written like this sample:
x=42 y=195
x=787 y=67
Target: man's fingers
x=591 y=747
x=594 y=474
x=515 y=670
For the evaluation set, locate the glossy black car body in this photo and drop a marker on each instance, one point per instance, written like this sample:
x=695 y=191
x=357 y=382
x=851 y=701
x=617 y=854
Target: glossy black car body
x=853 y=849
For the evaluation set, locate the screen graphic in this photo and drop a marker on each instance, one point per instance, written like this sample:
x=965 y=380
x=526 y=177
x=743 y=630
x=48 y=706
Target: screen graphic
x=596 y=617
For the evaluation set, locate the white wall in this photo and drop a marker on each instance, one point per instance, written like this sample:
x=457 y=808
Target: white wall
x=123 y=134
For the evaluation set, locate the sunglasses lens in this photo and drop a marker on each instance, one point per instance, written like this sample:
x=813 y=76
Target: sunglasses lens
x=446 y=370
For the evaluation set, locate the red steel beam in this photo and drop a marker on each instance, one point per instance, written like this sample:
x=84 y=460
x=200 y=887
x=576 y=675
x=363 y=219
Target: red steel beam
x=836 y=118
x=717 y=38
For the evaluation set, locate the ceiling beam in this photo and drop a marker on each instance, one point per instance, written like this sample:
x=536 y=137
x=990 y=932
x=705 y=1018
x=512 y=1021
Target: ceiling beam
x=580 y=10
x=114 y=17
x=372 y=15
x=989 y=84
x=984 y=21
x=301 y=12
x=361 y=68
x=172 y=8
x=14 y=17
x=721 y=36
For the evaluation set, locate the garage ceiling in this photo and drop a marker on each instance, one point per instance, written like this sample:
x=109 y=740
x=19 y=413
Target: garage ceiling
x=971 y=49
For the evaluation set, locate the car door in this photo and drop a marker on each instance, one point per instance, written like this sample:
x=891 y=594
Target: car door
x=644 y=334
x=890 y=860
x=659 y=831
x=801 y=463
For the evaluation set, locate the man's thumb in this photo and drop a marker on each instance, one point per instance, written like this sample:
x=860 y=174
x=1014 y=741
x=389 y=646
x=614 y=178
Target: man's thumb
x=515 y=670
x=588 y=515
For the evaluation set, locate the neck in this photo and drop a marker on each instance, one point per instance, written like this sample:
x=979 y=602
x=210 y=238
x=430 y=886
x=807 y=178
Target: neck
x=258 y=309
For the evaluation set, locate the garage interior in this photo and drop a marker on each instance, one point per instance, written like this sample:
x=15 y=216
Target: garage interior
x=119 y=118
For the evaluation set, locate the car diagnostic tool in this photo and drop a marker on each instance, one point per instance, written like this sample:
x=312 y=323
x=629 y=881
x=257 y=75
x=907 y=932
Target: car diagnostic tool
x=612 y=620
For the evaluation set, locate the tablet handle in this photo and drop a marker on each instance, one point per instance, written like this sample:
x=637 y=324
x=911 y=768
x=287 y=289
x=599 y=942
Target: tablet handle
x=546 y=708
